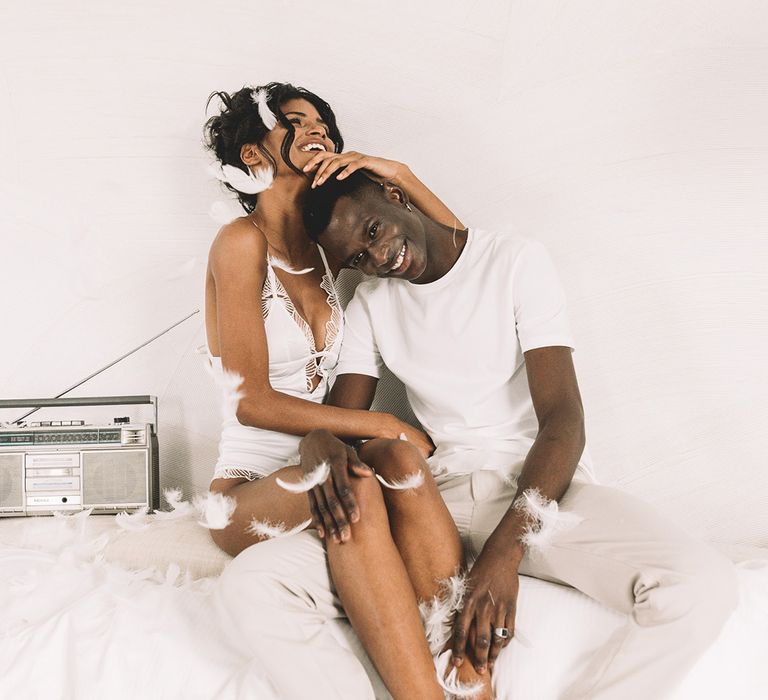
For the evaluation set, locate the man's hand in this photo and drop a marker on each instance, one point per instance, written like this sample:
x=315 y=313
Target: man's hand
x=332 y=503
x=490 y=603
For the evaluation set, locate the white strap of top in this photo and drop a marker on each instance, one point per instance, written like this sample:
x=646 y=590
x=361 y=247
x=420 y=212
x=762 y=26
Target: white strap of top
x=325 y=262
x=272 y=280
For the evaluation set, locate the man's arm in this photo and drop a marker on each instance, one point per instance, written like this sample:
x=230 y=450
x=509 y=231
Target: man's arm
x=354 y=391
x=549 y=467
x=554 y=455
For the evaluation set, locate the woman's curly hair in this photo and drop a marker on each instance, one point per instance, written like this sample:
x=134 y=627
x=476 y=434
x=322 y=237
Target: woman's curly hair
x=239 y=123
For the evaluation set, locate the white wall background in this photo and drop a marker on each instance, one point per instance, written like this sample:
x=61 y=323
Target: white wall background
x=630 y=137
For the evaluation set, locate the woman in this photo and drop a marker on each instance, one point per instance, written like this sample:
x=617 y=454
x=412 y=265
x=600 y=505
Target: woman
x=273 y=320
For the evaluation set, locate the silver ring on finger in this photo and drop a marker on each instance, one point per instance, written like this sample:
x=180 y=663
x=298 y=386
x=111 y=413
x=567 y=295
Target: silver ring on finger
x=501 y=632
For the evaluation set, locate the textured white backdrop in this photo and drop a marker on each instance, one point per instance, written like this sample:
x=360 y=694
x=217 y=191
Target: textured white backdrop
x=628 y=137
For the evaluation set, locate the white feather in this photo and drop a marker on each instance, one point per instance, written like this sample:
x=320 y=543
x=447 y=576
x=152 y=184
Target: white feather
x=437 y=614
x=546 y=519
x=215 y=509
x=404 y=437
x=277 y=262
x=133 y=522
x=182 y=270
x=252 y=182
x=229 y=384
x=260 y=98
x=267 y=529
x=412 y=481
x=179 y=508
x=311 y=479
x=220 y=212
x=449 y=683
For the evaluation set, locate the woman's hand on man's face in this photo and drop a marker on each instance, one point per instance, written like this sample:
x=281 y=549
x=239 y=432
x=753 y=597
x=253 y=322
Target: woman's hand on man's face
x=332 y=503
x=325 y=164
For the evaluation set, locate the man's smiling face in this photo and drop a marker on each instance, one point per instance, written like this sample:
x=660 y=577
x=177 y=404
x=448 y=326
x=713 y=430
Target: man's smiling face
x=376 y=233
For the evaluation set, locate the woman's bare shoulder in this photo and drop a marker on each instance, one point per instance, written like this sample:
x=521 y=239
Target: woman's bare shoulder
x=239 y=243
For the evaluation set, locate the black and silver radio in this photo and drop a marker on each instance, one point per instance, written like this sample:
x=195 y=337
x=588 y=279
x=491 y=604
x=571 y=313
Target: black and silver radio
x=66 y=465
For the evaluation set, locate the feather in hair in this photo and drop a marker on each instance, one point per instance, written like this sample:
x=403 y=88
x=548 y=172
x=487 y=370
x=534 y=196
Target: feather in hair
x=252 y=182
x=260 y=99
x=412 y=481
x=449 y=683
x=546 y=519
x=216 y=510
x=133 y=522
x=311 y=479
x=277 y=262
x=269 y=530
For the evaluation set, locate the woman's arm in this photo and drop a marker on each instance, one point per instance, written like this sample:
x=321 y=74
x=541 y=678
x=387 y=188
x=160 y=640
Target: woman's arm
x=238 y=264
x=426 y=201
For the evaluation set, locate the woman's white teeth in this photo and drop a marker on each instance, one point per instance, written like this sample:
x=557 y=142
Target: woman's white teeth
x=399 y=259
x=313 y=147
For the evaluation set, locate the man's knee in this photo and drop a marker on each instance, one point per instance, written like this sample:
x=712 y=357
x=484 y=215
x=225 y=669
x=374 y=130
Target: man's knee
x=702 y=593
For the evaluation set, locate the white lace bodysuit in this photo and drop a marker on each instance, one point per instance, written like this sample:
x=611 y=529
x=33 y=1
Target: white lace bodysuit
x=294 y=362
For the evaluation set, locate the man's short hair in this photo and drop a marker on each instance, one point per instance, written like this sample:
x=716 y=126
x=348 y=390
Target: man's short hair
x=320 y=201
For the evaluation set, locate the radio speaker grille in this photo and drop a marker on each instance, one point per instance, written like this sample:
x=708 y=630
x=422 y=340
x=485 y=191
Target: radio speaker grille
x=114 y=477
x=11 y=481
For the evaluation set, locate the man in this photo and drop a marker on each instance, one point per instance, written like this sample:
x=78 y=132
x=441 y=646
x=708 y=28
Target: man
x=474 y=324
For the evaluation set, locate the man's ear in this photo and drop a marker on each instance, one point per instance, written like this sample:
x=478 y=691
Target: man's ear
x=251 y=155
x=392 y=191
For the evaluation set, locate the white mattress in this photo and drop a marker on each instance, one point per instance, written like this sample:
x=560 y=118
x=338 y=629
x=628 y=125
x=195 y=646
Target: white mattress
x=75 y=623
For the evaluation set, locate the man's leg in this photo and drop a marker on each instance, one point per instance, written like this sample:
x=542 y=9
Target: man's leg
x=277 y=603
x=677 y=591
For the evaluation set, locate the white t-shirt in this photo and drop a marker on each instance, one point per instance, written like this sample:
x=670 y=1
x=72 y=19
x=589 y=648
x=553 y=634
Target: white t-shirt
x=457 y=345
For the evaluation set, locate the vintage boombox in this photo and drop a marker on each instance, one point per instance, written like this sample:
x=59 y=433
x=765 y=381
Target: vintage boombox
x=67 y=465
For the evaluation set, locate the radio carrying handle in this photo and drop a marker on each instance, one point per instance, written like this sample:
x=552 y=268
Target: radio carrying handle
x=83 y=401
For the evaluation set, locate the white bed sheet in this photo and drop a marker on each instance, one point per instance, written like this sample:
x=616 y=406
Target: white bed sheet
x=74 y=625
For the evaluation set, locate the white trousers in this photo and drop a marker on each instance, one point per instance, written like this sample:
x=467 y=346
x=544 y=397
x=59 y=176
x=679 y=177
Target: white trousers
x=677 y=592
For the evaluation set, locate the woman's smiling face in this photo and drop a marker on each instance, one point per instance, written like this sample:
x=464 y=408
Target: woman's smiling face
x=310 y=135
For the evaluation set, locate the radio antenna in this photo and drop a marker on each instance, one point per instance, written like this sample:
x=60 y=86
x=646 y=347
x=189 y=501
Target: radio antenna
x=111 y=364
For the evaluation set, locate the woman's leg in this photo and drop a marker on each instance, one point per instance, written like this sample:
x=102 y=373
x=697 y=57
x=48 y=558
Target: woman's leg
x=367 y=570
x=421 y=526
x=423 y=530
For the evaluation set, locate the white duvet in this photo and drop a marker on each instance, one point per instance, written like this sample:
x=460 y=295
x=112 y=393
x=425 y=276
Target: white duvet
x=73 y=625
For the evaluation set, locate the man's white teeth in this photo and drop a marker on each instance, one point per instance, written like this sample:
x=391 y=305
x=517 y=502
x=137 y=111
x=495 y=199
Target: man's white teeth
x=399 y=259
x=313 y=147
